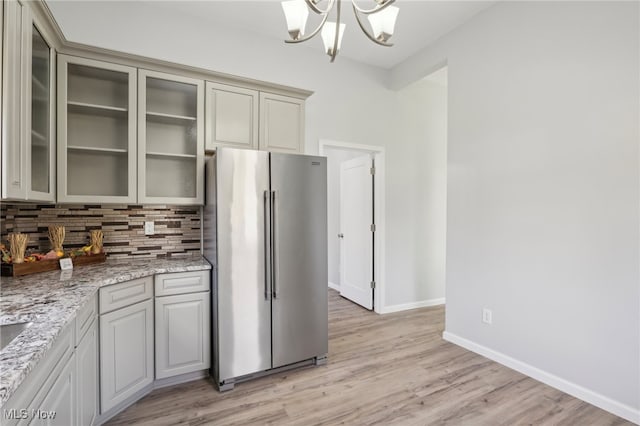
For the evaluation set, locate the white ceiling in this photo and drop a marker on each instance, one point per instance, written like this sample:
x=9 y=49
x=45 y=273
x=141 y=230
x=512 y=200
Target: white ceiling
x=420 y=22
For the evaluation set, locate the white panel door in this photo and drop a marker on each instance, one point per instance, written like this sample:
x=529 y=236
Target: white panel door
x=126 y=353
x=356 y=236
x=182 y=334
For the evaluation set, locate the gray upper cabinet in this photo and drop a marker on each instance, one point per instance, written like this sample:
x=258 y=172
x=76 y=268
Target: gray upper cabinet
x=80 y=126
x=232 y=116
x=281 y=123
x=245 y=118
x=28 y=106
x=96 y=131
x=170 y=139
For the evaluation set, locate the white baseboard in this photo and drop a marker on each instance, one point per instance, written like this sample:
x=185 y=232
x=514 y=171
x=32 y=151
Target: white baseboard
x=334 y=286
x=412 y=305
x=626 y=412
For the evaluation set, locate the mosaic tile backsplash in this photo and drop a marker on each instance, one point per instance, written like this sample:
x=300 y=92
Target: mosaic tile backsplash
x=177 y=228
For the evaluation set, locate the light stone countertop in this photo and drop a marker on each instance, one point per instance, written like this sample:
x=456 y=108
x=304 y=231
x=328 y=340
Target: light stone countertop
x=50 y=301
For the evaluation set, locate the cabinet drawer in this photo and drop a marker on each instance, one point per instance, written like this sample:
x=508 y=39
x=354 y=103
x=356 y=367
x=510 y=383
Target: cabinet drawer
x=124 y=294
x=182 y=283
x=85 y=317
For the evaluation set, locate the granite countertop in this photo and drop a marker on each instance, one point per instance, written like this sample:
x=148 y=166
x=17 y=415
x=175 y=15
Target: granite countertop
x=50 y=300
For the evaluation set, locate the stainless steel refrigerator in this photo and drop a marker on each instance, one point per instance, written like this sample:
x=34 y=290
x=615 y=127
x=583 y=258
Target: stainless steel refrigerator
x=265 y=233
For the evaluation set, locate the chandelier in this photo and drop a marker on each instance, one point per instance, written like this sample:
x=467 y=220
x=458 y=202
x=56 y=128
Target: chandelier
x=382 y=19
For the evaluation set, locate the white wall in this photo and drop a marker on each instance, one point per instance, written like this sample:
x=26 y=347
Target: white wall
x=543 y=191
x=417 y=195
x=335 y=157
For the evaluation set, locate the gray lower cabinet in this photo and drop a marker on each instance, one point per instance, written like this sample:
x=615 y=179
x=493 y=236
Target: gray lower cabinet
x=182 y=334
x=126 y=352
x=87 y=376
x=59 y=405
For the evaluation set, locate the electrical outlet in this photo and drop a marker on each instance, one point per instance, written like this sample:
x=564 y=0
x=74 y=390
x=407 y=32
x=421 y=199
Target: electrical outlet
x=149 y=228
x=487 y=316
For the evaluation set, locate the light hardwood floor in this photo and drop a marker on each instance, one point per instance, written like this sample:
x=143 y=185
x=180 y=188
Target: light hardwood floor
x=382 y=369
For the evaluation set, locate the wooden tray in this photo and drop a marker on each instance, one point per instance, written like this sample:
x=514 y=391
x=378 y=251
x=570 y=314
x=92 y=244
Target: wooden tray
x=27 y=268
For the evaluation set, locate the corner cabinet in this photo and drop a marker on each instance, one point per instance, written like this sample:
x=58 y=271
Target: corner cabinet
x=170 y=139
x=281 y=123
x=28 y=106
x=96 y=131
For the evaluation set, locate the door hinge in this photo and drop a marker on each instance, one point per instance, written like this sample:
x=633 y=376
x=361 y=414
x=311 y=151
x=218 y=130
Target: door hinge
x=373 y=284
x=373 y=227
x=372 y=170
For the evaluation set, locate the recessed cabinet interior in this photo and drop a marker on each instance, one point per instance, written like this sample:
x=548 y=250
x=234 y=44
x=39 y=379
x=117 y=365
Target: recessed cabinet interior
x=28 y=167
x=96 y=131
x=232 y=116
x=170 y=139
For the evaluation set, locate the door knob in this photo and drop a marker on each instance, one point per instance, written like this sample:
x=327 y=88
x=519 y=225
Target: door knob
x=340 y=235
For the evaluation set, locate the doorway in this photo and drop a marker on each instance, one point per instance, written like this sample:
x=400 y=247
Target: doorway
x=356 y=258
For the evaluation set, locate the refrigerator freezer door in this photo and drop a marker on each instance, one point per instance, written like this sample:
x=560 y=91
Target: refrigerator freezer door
x=243 y=305
x=299 y=209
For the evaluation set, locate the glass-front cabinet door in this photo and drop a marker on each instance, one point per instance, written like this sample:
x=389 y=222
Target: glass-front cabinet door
x=170 y=139
x=96 y=131
x=42 y=119
x=28 y=113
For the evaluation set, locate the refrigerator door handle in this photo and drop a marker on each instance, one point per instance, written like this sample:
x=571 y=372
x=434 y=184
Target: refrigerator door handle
x=267 y=245
x=274 y=238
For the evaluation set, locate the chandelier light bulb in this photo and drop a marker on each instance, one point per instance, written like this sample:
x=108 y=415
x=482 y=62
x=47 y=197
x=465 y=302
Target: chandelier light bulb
x=384 y=22
x=329 y=36
x=296 y=13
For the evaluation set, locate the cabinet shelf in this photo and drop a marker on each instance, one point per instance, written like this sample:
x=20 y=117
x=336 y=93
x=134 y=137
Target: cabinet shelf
x=170 y=155
x=86 y=106
x=169 y=117
x=94 y=149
